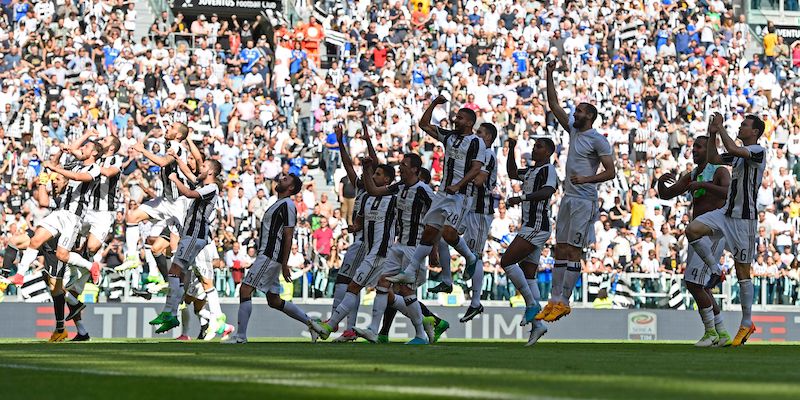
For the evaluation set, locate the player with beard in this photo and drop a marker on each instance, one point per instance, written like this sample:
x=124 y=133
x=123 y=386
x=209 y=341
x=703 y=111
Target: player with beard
x=578 y=209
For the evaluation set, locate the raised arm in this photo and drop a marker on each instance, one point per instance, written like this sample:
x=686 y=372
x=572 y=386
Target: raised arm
x=425 y=121
x=347 y=162
x=552 y=97
x=75 y=176
x=730 y=146
x=183 y=189
x=370 y=148
x=511 y=161
x=158 y=160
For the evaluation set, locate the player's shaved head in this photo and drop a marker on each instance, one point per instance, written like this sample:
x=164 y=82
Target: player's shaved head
x=548 y=144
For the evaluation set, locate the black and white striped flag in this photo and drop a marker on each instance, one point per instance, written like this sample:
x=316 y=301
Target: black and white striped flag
x=116 y=285
x=675 y=295
x=623 y=295
x=34 y=289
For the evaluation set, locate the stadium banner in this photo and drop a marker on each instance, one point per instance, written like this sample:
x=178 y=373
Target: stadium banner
x=130 y=320
x=790 y=33
x=243 y=9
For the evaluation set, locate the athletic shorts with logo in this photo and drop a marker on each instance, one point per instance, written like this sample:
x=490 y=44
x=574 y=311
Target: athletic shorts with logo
x=98 y=223
x=64 y=223
x=537 y=238
x=264 y=275
x=203 y=268
x=188 y=249
x=398 y=257
x=740 y=234
x=369 y=271
x=446 y=209
x=353 y=257
x=575 y=221
x=166 y=213
x=474 y=229
x=697 y=271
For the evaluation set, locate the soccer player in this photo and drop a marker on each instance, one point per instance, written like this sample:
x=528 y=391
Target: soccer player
x=477 y=221
x=167 y=210
x=539 y=184
x=194 y=237
x=379 y=225
x=413 y=199
x=464 y=154
x=737 y=220
x=578 y=209
x=275 y=243
x=708 y=185
x=354 y=255
x=65 y=222
x=199 y=289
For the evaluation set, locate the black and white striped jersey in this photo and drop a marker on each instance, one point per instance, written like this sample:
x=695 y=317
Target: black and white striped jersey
x=459 y=152
x=200 y=213
x=282 y=214
x=412 y=204
x=536 y=214
x=746 y=177
x=170 y=189
x=77 y=194
x=379 y=225
x=483 y=198
x=105 y=191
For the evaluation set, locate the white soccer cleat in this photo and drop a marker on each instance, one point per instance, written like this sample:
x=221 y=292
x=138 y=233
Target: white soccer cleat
x=155 y=288
x=211 y=331
x=346 y=336
x=536 y=333
x=371 y=336
x=131 y=262
x=428 y=323
x=402 y=277
x=320 y=328
x=709 y=339
x=235 y=339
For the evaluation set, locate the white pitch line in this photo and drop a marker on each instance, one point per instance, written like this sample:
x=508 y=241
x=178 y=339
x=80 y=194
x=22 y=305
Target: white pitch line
x=413 y=390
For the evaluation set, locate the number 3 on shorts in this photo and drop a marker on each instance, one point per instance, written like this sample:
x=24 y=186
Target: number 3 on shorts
x=578 y=237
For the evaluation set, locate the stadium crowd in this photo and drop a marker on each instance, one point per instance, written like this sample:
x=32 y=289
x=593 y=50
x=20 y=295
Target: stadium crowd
x=263 y=105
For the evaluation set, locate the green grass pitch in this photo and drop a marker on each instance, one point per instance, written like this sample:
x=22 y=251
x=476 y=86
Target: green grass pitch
x=144 y=369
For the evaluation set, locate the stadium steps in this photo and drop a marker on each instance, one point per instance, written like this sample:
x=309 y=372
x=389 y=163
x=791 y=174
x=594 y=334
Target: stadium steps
x=322 y=187
x=144 y=19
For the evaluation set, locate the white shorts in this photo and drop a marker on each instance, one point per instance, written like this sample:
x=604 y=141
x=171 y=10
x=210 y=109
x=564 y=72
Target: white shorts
x=98 y=223
x=76 y=278
x=740 y=234
x=446 y=209
x=165 y=213
x=535 y=237
x=369 y=271
x=203 y=269
x=575 y=222
x=264 y=275
x=65 y=223
x=188 y=249
x=398 y=257
x=352 y=259
x=697 y=271
x=474 y=228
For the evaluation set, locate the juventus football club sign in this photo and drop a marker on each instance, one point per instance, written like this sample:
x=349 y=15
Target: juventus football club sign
x=243 y=9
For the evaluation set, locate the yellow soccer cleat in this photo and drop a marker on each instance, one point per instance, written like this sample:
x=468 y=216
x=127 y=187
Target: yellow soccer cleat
x=743 y=334
x=58 y=336
x=546 y=310
x=558 y=311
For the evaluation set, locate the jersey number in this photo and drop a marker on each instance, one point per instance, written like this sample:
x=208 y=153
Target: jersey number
x=578 y=237
x=739 y=254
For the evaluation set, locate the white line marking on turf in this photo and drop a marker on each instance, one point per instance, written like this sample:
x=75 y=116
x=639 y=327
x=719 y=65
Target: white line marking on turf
x=413 y=390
